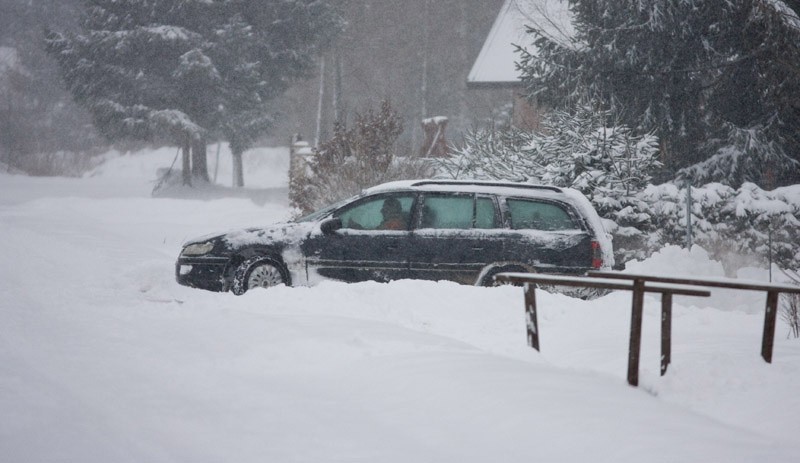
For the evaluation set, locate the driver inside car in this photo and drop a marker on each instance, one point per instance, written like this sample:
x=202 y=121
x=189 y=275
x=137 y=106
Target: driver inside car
x=393 y=217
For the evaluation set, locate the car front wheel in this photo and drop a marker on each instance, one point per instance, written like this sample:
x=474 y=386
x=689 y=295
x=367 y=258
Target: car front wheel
x=257 y=272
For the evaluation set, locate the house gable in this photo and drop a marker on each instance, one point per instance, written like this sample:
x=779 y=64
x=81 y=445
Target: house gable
x=496 y=63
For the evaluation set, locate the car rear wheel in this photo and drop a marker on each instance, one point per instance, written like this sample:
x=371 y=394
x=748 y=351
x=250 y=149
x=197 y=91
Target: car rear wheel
x=488 y=277
x=257 y=272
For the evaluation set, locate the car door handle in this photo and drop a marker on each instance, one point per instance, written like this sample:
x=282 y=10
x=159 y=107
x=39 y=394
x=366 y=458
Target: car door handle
x=477 y=248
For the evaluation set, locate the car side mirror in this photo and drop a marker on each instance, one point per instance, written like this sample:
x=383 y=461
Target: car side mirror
x=328 y=226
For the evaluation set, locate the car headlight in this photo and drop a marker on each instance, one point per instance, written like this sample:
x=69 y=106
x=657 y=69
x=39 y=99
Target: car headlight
x=198 y=249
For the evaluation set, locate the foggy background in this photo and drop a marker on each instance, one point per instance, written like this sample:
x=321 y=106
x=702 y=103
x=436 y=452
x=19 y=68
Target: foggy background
x=415 y=53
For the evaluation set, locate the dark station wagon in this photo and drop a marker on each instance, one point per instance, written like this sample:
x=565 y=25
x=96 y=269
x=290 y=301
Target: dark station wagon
x=462 y=231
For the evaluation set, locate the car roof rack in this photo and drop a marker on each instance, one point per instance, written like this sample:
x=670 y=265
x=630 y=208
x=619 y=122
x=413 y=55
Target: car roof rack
x=528 y=186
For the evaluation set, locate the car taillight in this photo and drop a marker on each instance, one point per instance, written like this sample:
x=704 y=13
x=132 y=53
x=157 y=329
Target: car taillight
x=597 y=255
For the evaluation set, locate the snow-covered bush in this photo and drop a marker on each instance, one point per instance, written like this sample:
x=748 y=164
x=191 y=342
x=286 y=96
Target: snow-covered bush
x=582 y=149
x=743 y=155
x=494 y=155
x=748 y=223
x=354 y=159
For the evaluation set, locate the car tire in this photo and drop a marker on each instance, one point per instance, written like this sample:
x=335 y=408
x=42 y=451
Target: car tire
x=257 y=272
x=488 y=278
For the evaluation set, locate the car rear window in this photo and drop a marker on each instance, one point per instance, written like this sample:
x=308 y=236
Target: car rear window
x=485 y=216
x=539 y=215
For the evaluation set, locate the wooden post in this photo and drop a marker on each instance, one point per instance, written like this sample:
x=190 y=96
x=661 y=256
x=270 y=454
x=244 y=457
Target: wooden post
x=768 y=339
x=435 y=145
x=531 y=318
x=666 y=331
x=635 y=345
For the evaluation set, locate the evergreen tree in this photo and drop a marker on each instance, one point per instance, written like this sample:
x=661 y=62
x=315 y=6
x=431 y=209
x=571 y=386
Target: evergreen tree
x=261 y=49
x=697 y=72
x=123 y=68
x=187 y=71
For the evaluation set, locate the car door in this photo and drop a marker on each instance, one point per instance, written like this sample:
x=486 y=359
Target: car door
x=547 y=235
x=372 y=244
x=456 y=236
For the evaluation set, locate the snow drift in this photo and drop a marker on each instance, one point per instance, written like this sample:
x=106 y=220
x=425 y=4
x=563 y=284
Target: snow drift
x=103 y=357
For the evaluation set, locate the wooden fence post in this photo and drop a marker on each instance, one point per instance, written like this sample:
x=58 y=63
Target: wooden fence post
x=530 y=312
x=666 y=331
x=635 y=345
x=770 y=315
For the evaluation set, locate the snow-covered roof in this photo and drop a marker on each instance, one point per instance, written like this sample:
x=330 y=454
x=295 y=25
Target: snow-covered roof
x=496 y=63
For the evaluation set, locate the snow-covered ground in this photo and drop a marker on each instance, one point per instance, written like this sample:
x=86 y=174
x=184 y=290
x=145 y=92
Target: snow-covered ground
x=104 y=358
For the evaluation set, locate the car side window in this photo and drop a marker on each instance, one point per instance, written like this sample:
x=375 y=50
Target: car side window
x=485 y=213
x=539 y=215
x=457 y=212
x=381 y=213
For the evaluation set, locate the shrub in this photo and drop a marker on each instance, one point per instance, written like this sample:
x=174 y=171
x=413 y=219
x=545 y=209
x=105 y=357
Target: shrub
x=748 y=222
x=356 y=158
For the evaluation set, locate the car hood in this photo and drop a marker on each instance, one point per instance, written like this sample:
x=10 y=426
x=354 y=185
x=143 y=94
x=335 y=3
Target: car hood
x=281 y=233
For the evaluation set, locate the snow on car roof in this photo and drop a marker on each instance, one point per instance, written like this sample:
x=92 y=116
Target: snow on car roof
x=470 y=186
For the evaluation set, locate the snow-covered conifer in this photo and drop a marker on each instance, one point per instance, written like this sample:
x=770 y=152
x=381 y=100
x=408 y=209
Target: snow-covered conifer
x=184 y=71
x=689 y=70
x=748 y=222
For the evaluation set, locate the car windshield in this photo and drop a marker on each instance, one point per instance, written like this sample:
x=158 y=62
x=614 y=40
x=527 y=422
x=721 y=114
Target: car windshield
x=314 y=216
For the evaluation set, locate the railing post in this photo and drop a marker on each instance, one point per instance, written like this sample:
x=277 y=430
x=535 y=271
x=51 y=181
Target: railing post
x=770 y=315
x=530 y=314
x=636 y=332
x=666 y=331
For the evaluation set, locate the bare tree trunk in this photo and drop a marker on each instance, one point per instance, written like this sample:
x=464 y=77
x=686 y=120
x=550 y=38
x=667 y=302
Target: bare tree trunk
x=238 y=171
x=216 y=164
x=424 y=80
x=187 y=163
x=320 y=99
x=463 y=48
x=199 y=159
x=425 y=52
x=337 y=86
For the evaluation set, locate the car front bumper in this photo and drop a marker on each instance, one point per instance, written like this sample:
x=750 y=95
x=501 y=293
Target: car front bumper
x=202 y=272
